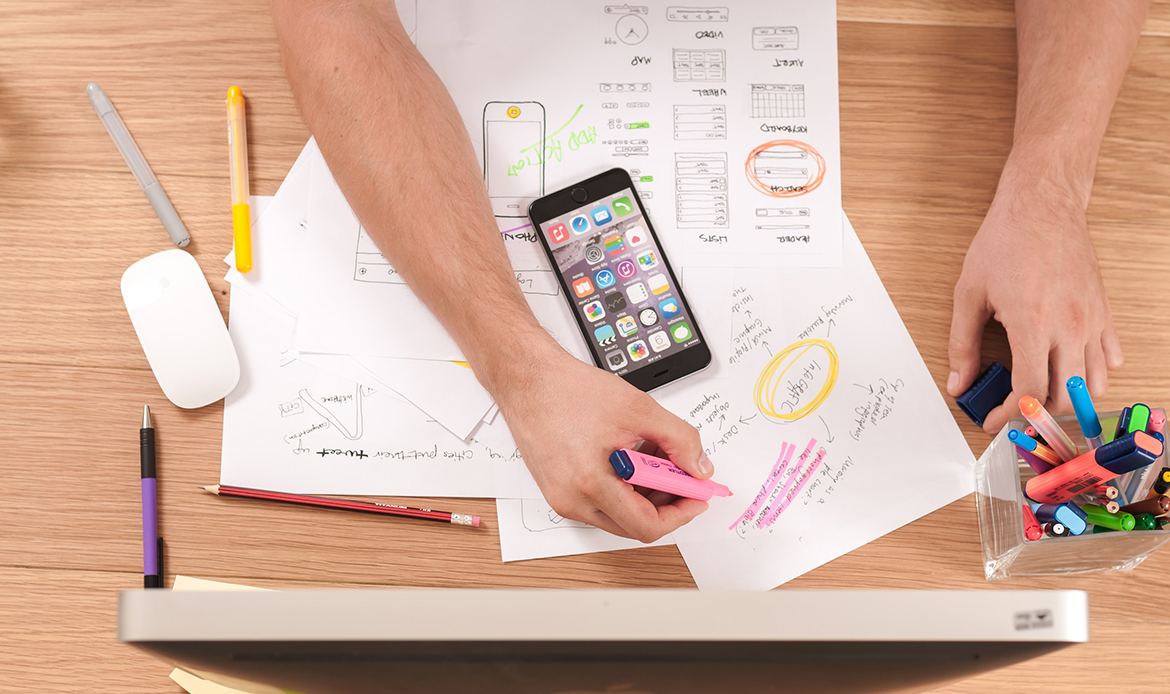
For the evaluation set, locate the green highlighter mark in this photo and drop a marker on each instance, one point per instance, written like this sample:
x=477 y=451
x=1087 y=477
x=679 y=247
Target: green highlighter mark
x=622 y=206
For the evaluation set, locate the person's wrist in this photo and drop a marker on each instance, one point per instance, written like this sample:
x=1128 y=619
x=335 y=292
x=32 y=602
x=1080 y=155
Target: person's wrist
x=514 y=366
x=1042 y=171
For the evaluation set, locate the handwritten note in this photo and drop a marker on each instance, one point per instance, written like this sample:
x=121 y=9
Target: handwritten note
x=290 y=426
x=843 y=405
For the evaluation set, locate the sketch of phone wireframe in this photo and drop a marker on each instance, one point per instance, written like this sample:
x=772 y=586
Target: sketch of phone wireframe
x=513 y=155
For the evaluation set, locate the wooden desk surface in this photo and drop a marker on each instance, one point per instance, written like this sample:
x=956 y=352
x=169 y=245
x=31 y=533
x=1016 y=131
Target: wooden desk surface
x=927 y=98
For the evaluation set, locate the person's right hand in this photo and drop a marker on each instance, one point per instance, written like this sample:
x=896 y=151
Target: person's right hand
x=567 y=417
x=1032 y=267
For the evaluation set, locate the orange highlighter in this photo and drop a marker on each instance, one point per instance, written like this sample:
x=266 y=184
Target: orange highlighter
x=1038 y=417
x=238 y=149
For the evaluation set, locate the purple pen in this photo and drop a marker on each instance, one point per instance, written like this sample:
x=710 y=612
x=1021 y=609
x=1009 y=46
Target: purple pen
x=151 y=542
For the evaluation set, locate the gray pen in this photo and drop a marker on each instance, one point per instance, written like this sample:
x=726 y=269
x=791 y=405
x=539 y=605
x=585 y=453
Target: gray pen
x=134 y=159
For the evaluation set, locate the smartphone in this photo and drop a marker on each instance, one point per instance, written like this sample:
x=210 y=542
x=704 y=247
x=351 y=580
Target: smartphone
x=513 y=155
x=619 y=284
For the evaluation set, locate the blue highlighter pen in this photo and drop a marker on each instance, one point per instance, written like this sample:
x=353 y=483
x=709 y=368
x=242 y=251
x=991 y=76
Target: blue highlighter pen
x=1086 y=413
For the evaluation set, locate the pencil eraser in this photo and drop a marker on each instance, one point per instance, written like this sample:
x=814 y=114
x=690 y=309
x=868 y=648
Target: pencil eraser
x=987 y=393
x=475 y=521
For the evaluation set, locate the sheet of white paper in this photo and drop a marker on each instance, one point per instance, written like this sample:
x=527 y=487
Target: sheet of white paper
x=726 y=115
x=352 y=301
x=257 y=204
x=448 y=389
x=445 y=391
x=277 y=243
x=530 y=529
x=805 y=477
x=278 y=238
x=291 y=427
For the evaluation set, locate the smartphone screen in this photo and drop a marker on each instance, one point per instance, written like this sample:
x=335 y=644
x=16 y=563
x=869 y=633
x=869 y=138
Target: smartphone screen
x=622 y=290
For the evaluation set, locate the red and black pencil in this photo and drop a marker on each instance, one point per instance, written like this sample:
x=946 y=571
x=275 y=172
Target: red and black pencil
x=347 y=505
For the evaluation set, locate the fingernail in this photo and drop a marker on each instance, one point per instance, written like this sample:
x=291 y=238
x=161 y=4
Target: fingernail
x=953 y=382
x=705 y=465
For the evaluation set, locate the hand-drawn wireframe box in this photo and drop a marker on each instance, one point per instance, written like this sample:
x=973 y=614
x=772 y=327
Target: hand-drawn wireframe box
x=775 y=38
x=1000 y=476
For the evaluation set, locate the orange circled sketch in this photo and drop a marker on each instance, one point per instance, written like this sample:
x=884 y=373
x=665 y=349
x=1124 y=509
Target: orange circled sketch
x=785 y=168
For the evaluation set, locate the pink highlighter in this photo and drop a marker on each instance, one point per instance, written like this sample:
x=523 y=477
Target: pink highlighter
x=661 y=474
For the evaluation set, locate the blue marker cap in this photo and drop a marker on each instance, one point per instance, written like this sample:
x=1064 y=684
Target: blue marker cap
x=1022 y=440
x=1083 y=405
x=1067 y=514
x=622 y=464
x=987 y=393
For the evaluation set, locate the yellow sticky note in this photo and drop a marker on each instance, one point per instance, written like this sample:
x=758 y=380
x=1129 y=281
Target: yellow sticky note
x=194 y=683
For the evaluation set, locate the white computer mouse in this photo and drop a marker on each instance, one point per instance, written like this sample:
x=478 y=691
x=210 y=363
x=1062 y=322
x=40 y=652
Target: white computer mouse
x=180 y=328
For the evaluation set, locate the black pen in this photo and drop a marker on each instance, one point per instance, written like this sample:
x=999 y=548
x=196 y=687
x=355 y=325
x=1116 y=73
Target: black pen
x=152 y=576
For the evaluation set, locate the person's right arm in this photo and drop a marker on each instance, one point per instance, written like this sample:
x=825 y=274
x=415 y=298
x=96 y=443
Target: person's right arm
x=1032 y=265
x=400 y=152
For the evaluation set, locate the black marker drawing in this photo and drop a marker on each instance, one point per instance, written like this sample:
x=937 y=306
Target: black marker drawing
x=538 y=516
x=695 y=65
x=700 y=122
x=513 y=155
x=324 y=411
x=777 y=101
x=697 y=14
x=701 y=190
x=775 y=38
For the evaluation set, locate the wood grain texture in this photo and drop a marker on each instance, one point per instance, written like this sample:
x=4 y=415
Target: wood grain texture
x=927 y=100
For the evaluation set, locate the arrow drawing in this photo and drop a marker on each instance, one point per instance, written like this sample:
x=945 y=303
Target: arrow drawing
x=870 y=388
x=828 y=434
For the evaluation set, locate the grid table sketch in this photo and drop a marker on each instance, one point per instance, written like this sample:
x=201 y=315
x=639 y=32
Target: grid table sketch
x=777 y=101
x=699 y=66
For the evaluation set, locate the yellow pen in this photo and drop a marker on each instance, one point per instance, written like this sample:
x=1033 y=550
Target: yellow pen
x=238 y=147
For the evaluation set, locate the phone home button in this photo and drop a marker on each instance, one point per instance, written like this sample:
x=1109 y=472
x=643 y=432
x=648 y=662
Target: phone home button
x=579 y=195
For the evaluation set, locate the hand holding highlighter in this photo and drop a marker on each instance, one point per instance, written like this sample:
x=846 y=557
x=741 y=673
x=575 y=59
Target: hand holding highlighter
x=661 y=474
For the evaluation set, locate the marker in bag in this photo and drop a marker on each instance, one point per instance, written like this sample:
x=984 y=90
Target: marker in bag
x=1038 y=466
x=1156 y=506
x=1122 y=424
x=1157 y=422
x=1106 y=490
x=1038 y=417
x=661 y=474
x=1116 y=521
x=1055 y=529
x=1144 y=521
x=1032 y=529
x=1034 y=447
x=1139 y=418
x=1078 y=392
x=1031 y=431
x=1068 y=515
x=1161 y=483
